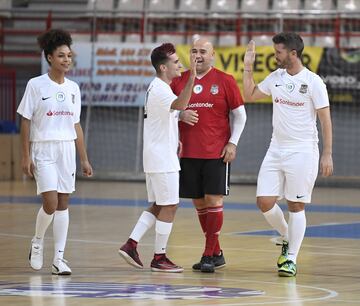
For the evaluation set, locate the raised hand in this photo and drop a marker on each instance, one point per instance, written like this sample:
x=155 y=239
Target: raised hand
x=250 y=53
x=193 y=65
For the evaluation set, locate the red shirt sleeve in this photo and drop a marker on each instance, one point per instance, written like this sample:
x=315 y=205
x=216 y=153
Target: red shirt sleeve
x=234 y=98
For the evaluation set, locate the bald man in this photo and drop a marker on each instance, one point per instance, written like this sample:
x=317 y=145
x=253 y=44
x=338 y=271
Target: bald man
x=209 y=146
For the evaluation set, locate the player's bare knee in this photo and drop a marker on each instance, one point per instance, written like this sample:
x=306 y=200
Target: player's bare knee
x=265 y=203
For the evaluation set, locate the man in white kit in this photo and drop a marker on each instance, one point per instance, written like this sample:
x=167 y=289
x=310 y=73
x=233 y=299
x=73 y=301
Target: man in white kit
x=290 y=166
x=160 y=159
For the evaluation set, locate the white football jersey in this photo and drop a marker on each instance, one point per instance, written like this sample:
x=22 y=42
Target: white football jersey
x=295 y=101
x=52 y=108
x=161 y=135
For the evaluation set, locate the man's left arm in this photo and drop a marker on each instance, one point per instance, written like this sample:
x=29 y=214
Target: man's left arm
x=326 y=162
x=237 y=127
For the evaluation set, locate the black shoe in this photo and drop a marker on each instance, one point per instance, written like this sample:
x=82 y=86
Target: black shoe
x=207 y=264
x=219 y=262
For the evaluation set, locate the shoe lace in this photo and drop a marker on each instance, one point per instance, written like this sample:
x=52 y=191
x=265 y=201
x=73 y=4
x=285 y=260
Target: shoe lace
x=36 y=249
x=284 y=248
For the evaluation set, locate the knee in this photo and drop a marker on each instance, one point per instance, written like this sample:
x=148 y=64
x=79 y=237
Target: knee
x=265 y=204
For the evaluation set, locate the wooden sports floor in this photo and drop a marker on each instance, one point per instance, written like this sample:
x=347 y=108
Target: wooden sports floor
x=102 y=214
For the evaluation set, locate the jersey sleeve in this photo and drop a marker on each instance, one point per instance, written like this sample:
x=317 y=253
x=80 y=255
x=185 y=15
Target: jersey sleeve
x=319 y=94
x=77 y=105
x=165 y=97
x=28 y=102
x=265 y=85
x=234 y=98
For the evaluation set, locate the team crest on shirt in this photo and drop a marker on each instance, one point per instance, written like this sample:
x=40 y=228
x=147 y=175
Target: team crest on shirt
x=214 y=89
x=197 y=89
x=60 y=97
x=303 y=88
x=73 y=98
x=290 y=87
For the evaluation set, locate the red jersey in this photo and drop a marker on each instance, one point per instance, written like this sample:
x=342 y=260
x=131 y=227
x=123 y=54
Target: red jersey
x=213 y=97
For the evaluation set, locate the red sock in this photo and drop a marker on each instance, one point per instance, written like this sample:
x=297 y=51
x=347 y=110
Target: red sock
x=202 y=215
x=214 y=223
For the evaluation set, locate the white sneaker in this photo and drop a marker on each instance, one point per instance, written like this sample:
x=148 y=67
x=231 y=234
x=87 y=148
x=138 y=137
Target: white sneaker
x=60 y=267
x=36 y=254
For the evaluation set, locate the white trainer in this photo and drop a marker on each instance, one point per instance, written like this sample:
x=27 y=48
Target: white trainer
x=36 y=254
x=60 y=267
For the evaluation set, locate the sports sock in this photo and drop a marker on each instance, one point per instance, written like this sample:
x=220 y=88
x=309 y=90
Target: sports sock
x=275 y=217
x=297 y=227
x=202 y=215
x=43 y=221
x=162 y=233
x=60 y=230
x=214 y=223
x=144 y=223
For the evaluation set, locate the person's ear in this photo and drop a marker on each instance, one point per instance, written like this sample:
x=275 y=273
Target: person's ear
x=162 y=67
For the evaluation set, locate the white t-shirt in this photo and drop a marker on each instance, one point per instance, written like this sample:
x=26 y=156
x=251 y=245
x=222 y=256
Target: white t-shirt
x=161 y=135
x=52 y=108
x=295 y=101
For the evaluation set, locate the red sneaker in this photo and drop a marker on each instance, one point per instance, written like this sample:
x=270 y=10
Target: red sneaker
x=129 y=253
x=164 y=264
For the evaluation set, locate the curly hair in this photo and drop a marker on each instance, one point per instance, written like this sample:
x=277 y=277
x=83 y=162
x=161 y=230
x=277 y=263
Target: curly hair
x=50 y=40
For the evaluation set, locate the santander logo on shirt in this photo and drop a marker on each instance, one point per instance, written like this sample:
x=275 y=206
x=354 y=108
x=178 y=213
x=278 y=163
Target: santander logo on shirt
x=282 y=101
x=59 y=113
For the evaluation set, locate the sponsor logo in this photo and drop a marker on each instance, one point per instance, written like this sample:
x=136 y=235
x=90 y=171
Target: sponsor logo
x=197 y=89
x=214 y=89
x=45 y=98
x=59 y=113
x=303 y=88
x=277 y=85
x=290 y=103
x=201 y=105
x=60 y=97
x=299 y=197
x=92 y=290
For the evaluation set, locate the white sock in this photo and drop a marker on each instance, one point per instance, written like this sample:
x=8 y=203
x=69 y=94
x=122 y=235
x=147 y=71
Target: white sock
x=60 y=230
x=43 y=221
x=163 y=230
x=275 y=217
x=297 y=227
x=144 y=223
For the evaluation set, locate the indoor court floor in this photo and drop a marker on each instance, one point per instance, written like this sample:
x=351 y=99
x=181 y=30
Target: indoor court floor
x=102 y=215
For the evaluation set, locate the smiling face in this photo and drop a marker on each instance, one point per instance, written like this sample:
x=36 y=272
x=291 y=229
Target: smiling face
x=61 y=59
x=204 y=53
x=172 y=67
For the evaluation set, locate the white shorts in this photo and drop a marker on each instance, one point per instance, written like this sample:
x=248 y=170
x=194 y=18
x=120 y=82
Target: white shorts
x=55 y=165
x=163 y=188
x=288 y=174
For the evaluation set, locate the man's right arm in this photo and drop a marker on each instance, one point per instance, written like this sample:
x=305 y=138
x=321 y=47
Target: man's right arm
x=251 y=91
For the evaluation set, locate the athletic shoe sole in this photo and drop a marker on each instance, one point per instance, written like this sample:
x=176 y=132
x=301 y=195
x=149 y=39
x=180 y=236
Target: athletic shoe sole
x=178 y=270
x=129 y=260
x=216 y=268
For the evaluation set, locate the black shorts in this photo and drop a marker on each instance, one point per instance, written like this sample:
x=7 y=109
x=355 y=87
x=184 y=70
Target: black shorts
x=203 y=176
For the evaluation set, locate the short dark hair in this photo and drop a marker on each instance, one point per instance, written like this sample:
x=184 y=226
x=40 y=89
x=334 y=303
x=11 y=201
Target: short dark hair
x=291 y=41
x=160 y=55
x=50 y=40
